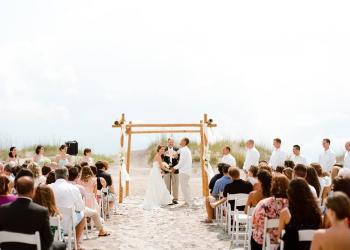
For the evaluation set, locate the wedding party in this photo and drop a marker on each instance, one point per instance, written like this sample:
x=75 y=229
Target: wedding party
x=161 y=125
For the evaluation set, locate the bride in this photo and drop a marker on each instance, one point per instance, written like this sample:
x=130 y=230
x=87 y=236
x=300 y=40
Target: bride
x=157 y=194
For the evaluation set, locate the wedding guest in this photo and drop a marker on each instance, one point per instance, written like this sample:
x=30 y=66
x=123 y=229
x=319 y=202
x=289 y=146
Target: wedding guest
x=300 y=171
x=13 y=157
x=337 y=237
x=227 y=157
x=22 y=173
x=103 y=174
x=62 y=159
x=278 y=156
x=279 y=169
x=88 y=181
x=263 y=163
x=289 y=164
x=324 y=180
x=88 y=157
x=252 y=155
x=342 y=184
x=252 y=176
x=5 y=196
x=37 y=176
x=296 y=157
x=327 y=159
x=101 y=182
x=8 y=172
x=347 y=155
x=216 y=177
x=269 y=208
x=288 y=172
x=51 y=178
x=45 y=170
x=68 y=195
x=263 y=190
x=237 y=186
x=1 y=168
x=24 y=216
x=74 y=178
x=328 y=189
x=312 y=179
x=302 y=213
x=39 y=154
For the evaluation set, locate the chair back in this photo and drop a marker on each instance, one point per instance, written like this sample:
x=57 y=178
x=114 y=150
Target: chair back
x=306 y=235
x=268 y=224
x=55 y=221
x=31 y=239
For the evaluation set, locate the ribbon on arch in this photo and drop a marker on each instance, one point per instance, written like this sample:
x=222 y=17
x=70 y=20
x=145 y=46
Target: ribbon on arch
x=124 y=176
x=208 y=168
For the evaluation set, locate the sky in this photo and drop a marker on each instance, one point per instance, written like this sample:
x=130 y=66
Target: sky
x=260 y=69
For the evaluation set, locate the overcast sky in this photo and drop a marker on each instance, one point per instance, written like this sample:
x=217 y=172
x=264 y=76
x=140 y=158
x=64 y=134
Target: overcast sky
x=260 y=69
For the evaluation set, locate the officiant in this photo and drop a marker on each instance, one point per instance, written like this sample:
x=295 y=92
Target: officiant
x=171 y=157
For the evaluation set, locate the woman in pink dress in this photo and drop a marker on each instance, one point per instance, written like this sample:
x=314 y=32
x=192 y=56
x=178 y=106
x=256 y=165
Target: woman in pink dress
x=88 y=181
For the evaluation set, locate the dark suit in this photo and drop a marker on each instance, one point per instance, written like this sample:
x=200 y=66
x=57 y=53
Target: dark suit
x=25 y=216
x=173 y=182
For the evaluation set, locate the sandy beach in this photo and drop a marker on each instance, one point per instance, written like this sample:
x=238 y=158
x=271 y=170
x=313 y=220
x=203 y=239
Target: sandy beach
x=172 y=227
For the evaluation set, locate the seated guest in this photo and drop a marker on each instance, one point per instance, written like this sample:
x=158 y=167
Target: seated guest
x=67 y=196
x=102 y=167
x=99 y=180
x=252 y=175
x=5 y=196
x=324 y=181
x=62 y=159
x=88 y=181
x=218 y=188
x=21 y=173
x=8 y=172
x=24 y=216
x=312 y=179
x=288 y=172
x=51 y=178
x=89 y=213
x=269 y=208
x=263 y=190
x=337 y=237
x=216 y=177
x=302 y=213
x=88 y=157
x=237 y=186
x=37 y=176
x=327 y=189
x=289 y=164
x=300 y=171
x=45 y=170
x=342 y=184
x=279 y=169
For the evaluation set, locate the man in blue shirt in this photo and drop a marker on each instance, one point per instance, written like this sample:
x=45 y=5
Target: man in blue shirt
x=218 y=188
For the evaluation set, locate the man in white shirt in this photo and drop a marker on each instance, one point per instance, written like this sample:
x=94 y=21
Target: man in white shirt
x=66 y=196
x=347 y=155
x=296 y=157
x=185 y=170
x=327 y=158
x=278 y=156
x=252 y=155
x=227 y=158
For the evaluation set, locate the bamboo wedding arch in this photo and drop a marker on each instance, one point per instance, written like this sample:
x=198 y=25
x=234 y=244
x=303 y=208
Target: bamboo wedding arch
x=128 y=129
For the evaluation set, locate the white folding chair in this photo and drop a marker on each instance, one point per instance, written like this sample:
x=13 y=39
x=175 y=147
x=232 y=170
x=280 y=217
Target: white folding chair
x=55 y=221
x=105 y=203
x=248 y=235
x=68 y=225
x=304 y=235
x=268 y=224
x=240 y=219
x=230 y=213
x=31 y=239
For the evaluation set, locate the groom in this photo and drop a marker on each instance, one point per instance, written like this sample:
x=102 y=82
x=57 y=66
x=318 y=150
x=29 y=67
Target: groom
x=171 y=179
x=185 y=170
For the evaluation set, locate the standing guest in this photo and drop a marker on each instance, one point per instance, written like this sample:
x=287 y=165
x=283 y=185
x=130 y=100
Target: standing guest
x=5 y=196
x=13 y=157
x=312 y=179
x=263 y=190
x=227 y=157
x=278 y=156
x=38 y=177
x=337 y=237
x=218 y=188
x=300 y=171
x=327 y=159
x=88 y=181
x=24 y=216
x=252 y=176
x=216 y=177
x=62 y=159
x=347 y=155
x=38 y=157
x=88 y=157
x=67 y=195
x=288 y=172
x=302 y=213
x=296 y=157
x=252 y=155
x=269 y=208
x=237 y=186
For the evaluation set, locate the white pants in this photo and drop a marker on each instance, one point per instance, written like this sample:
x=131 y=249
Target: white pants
x=93 y=214
x=185 y=187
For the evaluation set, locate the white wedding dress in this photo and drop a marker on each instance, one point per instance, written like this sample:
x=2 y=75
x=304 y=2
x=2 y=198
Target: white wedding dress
x=157 y=194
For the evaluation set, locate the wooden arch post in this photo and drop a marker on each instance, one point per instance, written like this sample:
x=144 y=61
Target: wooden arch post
x=197 y=128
